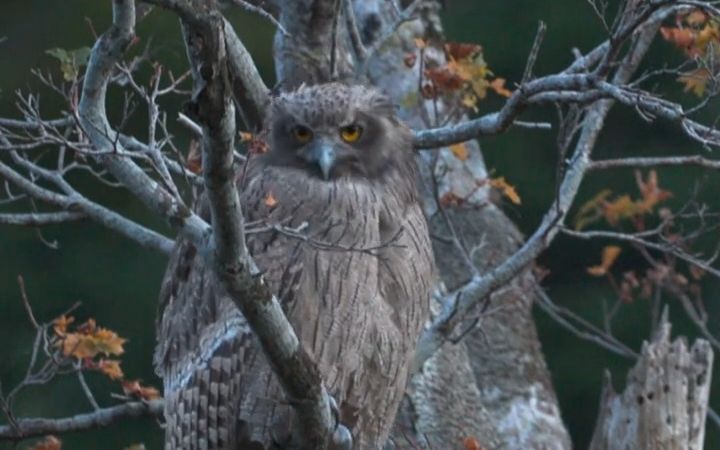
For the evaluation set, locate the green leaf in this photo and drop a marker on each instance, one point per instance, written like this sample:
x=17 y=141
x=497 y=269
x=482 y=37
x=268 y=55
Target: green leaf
x=70 y=60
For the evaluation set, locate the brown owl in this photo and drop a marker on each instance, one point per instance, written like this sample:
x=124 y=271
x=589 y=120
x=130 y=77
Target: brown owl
x=352 y=267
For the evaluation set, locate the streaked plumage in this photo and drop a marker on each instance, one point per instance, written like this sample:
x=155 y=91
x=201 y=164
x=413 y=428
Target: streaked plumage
x=356 y=288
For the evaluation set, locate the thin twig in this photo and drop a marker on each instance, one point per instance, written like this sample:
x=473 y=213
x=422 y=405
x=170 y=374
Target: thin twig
x=26 y=302
x=534 y=51
x=262 y=13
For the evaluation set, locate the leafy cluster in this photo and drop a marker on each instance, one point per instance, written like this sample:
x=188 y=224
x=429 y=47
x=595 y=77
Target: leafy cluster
x=615 y=209
x=698 y=35
x=74 y=349
x=465 y=75
x=664 y=273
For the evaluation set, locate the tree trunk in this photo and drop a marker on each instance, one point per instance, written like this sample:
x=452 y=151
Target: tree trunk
x=494 y=385
x=664 y=404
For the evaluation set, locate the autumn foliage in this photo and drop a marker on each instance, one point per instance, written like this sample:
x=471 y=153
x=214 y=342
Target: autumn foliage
x=698 y=35
x=86 y=347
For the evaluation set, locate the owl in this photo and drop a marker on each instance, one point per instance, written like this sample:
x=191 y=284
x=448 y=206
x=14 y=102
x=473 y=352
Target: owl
x=336 y=227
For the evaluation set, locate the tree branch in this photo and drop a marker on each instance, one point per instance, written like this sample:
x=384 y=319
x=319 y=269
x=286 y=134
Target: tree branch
x=105 y=54
x=457 y=304
x=695 y=160
x=576 y=86
x=34 y=427
x=661 y=247
x=250 y=92
x=496 y=123
x=41 y=219
x=76 y=203
x=566 y=88
x=212 y=103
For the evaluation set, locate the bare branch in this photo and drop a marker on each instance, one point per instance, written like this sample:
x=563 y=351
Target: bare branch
x=190 y=125
x=40 y=219
x=105 y=54
x=500 y=121
x=666 y=247
x=247 y=6
x=534 y=51
x=26 y=304
x=695 y=160
x=249 y=90
x=77 y=203
x=27 y=428
x=582 y=328
x=572 y=86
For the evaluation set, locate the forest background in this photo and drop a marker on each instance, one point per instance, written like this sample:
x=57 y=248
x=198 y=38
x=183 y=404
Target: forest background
x=117 y=281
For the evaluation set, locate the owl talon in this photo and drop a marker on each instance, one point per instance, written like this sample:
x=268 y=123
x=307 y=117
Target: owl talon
x=341 y=438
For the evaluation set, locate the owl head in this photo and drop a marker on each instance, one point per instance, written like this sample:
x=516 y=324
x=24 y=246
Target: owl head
x=336 y=130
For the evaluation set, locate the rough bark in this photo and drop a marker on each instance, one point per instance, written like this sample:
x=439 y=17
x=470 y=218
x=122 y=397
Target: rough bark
x=665 y=401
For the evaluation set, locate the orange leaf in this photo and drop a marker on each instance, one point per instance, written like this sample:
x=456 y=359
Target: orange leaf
x=89 y=341
x=506 y=188
x=589 y=211
x=49 y=443
x=109 y=342
x=61 y=323
x=194 y=157
x=708 y=35
x=470 y=443
x=450 y=199
x=650 y=190
x=622 y=207
x=134 y=388
x=78 y=345
x=681 y=37
x=149 y=393
x=245 y=136
x=88 y=327
x=258 y=146
x=460 y=151
x=609 y=255
x=498 y=85
x=270 y=200
x=420 y=43
x=111 y=368
x=696 y=272
x=457 y=50
x=445 y=79
x=695 y=81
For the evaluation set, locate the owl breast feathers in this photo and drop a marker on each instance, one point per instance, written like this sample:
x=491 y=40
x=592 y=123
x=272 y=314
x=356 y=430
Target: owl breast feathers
x=352 y=267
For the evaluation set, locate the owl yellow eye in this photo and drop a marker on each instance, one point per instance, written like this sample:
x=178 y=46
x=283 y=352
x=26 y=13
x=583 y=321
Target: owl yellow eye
x=302 y=134
x=351 y=133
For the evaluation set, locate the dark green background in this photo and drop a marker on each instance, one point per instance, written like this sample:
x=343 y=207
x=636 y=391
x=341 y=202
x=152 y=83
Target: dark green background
x=118 y=281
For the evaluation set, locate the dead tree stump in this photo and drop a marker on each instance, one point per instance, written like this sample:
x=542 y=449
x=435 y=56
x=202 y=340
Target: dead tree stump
x=665 y=401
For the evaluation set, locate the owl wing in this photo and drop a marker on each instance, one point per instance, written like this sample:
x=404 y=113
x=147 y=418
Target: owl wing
x=220 y=392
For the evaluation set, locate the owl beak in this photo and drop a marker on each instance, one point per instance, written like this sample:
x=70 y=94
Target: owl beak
x=324 y=156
